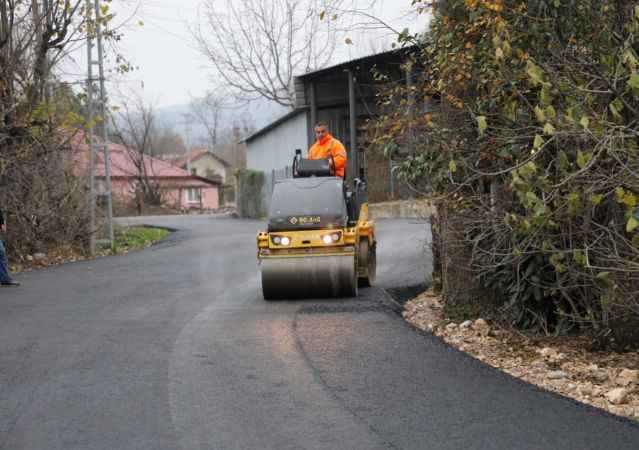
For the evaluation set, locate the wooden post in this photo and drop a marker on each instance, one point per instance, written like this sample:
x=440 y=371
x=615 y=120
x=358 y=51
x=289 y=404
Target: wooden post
x=352 y=113
x=313 y=98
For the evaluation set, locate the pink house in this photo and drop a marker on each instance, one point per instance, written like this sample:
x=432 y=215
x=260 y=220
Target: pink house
x=177 y=186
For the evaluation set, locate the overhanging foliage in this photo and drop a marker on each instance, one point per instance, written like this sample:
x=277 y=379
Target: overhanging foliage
x=530 y=135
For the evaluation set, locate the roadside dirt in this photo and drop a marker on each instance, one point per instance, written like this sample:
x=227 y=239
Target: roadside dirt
x=606 y=380
x=27 y=263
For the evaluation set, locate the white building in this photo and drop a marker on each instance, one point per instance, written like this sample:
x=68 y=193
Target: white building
x=273 y=147
x=344 y=97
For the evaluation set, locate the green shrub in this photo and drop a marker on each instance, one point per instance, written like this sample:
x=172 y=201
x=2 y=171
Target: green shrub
x=251 y=183
x=531 y=144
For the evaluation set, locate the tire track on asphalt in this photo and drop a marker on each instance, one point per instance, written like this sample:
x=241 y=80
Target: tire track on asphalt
x=317 y=373
x=181 y=373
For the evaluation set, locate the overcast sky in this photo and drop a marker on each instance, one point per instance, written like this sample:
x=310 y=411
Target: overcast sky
x=171 y=70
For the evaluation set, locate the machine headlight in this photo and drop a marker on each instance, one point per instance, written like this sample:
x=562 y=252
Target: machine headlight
x=331 y=238
x=281 y=240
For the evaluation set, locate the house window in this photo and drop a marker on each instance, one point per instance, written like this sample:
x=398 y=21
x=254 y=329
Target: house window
x=194 y=195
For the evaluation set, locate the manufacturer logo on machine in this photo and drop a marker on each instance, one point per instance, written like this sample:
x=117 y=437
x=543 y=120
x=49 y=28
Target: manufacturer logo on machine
x=304 y=220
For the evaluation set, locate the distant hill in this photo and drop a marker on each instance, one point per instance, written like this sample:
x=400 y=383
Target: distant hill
x=257 y=115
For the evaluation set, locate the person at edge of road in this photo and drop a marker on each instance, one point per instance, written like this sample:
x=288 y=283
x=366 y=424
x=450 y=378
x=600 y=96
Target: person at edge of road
x=5 y=279
x=327 y=146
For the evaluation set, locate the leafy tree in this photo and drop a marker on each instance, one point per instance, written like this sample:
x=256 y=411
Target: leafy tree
x=38 y=113
x=530 y=135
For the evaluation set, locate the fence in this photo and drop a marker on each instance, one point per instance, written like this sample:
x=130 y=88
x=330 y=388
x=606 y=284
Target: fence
x=269 y=183
x=382 y=183
x=255 y=191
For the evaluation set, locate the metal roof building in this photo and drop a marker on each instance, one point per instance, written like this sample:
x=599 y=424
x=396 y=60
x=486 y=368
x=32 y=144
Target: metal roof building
x=342 y=95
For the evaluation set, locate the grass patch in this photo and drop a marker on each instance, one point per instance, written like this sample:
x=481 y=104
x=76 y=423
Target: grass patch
x=126 y=239
x=134 y=238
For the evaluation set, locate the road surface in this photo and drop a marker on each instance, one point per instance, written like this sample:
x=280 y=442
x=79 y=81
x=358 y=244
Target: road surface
x=172 y=347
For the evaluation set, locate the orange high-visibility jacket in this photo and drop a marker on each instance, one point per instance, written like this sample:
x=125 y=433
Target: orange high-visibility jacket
x=327 y=146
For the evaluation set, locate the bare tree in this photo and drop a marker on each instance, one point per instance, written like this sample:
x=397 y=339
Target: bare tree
x=134 y=128
x=365 y=16
x=223 y=117
x=168 y=143
x=34 y=35
x=256 y=47
x=209 y=111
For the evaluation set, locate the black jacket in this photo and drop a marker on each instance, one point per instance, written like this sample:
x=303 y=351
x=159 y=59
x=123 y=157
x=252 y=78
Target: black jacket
x=1 y=217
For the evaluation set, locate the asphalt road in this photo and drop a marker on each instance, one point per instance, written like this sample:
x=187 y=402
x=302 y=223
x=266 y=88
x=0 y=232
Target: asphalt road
x=173 y=348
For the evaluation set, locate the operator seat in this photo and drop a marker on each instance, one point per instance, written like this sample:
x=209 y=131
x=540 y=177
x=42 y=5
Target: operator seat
x=304 y=167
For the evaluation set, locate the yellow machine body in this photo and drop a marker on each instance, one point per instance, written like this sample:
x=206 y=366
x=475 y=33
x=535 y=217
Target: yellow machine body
x=318 y=263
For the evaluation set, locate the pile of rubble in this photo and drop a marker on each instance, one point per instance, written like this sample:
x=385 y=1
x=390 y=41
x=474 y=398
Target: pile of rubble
x=606 y=380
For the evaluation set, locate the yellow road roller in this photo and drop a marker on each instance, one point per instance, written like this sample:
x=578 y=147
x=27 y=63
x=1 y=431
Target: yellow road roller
x=320 y=241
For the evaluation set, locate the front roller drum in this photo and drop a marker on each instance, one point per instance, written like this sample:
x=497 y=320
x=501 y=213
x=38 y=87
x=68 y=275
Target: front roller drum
x=309 y=277
x=367 y=260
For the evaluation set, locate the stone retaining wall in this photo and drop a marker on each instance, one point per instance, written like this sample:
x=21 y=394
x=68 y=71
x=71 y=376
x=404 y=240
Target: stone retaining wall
x=402 y=209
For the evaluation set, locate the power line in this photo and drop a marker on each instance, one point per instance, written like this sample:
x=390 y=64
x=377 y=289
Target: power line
x=187 y=119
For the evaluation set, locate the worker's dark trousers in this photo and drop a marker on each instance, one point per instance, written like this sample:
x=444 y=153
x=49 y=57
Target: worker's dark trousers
x=4 y=265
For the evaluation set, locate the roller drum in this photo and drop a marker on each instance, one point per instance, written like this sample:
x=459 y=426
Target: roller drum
x=309 y=277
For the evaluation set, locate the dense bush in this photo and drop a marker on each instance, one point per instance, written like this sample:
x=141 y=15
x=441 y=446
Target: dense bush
x=45 y=200
x=251 y=183
x=531 y=140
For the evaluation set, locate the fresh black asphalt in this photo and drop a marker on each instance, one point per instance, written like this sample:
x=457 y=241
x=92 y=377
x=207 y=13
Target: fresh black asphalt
x=173 y=348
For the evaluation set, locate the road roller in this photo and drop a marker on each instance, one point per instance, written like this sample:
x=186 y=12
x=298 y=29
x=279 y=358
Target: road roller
x=320 y=241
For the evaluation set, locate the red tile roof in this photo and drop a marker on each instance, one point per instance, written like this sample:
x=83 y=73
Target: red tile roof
x=123 y=163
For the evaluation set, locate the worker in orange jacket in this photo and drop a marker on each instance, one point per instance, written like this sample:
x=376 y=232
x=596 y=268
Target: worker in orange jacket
x=327 y=146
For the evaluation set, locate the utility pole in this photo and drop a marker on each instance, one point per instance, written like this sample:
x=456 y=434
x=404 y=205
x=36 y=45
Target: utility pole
x=186 y=122
x=96 y=106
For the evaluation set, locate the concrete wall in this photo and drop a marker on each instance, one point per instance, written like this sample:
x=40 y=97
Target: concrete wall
x=179 y=197
x=120 y=189
x=209 y=199
x=123 y=191
x=404 y=209
x=275 y=149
